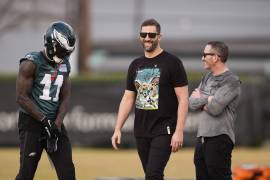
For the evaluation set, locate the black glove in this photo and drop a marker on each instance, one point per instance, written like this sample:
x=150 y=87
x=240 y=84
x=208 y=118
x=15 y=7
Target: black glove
x=50 y=128
x=52 y=144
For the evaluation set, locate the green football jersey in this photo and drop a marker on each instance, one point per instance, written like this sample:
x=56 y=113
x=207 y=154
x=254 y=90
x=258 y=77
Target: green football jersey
x=47 y=83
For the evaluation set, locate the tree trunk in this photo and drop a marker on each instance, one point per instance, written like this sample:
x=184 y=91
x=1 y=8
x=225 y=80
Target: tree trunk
x=84 y=41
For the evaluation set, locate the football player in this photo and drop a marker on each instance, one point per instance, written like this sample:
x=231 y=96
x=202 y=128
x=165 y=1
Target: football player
x=43 y=92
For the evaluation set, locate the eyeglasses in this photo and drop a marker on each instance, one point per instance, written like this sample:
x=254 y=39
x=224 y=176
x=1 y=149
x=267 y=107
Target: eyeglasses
x=209 y=54
x=150 y=35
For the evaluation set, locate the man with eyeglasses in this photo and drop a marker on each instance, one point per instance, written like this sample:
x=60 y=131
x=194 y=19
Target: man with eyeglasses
x=157 y=85
x=214 y=104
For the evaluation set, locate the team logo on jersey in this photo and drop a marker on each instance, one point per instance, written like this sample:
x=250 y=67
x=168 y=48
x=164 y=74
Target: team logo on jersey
x=147 y=85
x=29 y=56
x=32 y=154
x=63 y=68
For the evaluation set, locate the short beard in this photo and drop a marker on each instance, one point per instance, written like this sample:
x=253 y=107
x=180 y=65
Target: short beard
x=151 y=48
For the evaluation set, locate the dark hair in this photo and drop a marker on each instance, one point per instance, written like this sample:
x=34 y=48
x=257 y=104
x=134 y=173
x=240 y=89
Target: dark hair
x=221 y=48
x=152 y=22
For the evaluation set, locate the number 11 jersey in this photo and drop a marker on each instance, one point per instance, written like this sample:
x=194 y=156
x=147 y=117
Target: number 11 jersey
x=47 y=82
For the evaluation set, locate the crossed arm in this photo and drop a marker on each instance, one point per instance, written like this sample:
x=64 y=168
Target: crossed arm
x=214 y=104
x=222 y=98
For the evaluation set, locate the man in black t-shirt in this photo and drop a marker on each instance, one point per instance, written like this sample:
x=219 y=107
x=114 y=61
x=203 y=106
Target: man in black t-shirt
x=157 y=85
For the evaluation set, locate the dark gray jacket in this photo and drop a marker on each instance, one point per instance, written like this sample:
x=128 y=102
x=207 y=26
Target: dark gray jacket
x=221 y=111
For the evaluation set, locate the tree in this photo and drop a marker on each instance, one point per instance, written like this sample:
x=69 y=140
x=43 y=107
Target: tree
x=84 y=42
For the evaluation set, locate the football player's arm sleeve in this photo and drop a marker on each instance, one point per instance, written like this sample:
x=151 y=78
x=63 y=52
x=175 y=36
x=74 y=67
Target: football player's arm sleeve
x=24 y=84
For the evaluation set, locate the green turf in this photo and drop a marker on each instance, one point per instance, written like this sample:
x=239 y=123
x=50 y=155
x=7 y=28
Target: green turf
x=92 y=163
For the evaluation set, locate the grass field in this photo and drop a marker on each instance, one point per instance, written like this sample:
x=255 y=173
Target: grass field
x=92 y=163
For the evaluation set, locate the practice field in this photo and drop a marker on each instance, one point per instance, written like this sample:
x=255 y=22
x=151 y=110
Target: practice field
x=92 y=163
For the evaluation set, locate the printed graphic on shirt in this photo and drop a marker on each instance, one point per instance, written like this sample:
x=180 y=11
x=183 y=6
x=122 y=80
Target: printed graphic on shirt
x=147 y=85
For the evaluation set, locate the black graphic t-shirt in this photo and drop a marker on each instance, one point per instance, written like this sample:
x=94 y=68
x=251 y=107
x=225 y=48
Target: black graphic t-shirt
x=154 y=80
